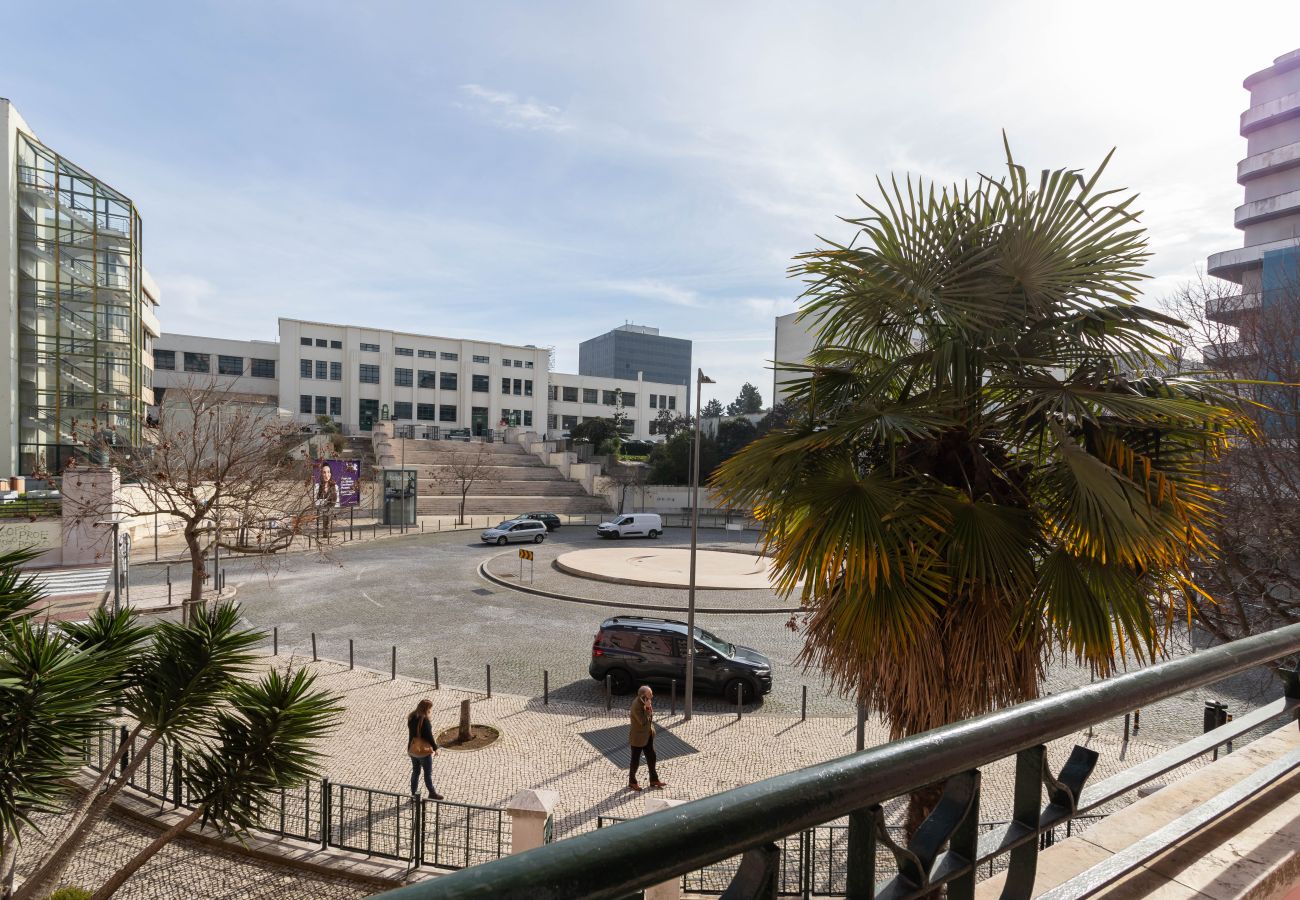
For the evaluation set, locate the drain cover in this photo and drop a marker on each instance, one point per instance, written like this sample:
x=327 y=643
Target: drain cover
x=482 y=592
x=612 y=743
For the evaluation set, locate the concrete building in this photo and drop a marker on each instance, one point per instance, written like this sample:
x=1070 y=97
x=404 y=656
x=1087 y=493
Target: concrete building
x=794 y=341
x=574 y=398
x=247 y=370
x=637 y=351
x=1268 y=263
x=77 y=310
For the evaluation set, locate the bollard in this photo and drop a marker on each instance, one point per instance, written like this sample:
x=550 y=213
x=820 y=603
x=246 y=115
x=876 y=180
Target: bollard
x=176 y=775
x=313 y=646
x=1126 y=718
x=740 y=702
x=1228 y=719
x=1137 y=720
x=862 y=726
x=607 y=694
x=393 y=677
x=169 y=593
x=435 y=673
x=350 y=658
x=803 y=705
x=673 y=710
x=422 y=526
x=489 y=680
x=275 y=641
x=546 y=688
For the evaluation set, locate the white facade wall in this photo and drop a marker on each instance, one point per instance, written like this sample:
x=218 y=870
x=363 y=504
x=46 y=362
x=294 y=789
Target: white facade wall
x=222 y=358
x=794 y=341
x=576 y=398
x=10 y=124
x=453 y=397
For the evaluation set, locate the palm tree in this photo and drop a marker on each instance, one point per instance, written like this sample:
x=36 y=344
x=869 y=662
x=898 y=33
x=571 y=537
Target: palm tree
x=974 y=482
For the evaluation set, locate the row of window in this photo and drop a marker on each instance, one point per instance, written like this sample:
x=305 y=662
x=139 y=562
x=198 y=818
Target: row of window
x=323 y=369
x=665 y=401
x=608 y=398
x=569 y=422
x=409 y=351
x=321 y=342
x=517 y=363
x=201 y=363
x=323 y=406
x=517 y=417
x=424 y=412
x=517 y=387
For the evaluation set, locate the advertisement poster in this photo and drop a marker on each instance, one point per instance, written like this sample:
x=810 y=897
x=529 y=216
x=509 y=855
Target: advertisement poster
x=337 y=482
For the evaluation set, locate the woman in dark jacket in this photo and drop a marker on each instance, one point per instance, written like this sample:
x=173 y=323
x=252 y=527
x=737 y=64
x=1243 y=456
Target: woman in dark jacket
x=421 y=747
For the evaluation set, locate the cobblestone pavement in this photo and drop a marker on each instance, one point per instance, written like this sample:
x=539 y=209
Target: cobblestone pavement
x=184 y=870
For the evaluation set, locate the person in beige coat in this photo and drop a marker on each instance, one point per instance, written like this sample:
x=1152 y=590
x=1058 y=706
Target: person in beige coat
x=641 y=737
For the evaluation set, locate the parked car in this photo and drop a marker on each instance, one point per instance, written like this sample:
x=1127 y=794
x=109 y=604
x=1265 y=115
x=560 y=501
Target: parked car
x=633 y=650
x=515 y=530
x=632 y=525
x=551 y=520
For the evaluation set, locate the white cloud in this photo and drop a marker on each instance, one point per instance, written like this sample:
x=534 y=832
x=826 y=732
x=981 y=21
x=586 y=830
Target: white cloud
x=506 y=109
x=652 y=289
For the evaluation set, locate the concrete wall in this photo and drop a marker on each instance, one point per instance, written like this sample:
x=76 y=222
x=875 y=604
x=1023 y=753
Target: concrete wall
x=794 y=341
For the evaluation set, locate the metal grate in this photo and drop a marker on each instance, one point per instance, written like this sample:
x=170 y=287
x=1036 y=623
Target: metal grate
x=612 y=744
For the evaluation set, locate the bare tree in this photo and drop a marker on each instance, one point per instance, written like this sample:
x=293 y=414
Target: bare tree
x=625 y=476
x=1255 y=338
x=466 y=468
x=224 y=469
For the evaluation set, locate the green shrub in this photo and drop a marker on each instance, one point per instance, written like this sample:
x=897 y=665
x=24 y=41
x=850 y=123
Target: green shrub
x=70 y=893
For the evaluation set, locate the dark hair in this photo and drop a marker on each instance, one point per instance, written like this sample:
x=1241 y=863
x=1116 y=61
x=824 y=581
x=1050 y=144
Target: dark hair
x=421 y=710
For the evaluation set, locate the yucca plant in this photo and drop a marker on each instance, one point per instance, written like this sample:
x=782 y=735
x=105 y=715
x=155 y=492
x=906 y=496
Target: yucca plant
x=974 y=482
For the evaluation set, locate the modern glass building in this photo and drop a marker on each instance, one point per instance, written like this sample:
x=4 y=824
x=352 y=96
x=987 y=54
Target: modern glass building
x=78 y=313
x=632 y=351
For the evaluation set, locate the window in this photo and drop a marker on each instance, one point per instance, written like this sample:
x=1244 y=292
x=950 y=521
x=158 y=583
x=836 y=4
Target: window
x=663 y=402
x=369 y=374
x=321 y=342
x=589 y=395
x=629 y=399
x=425 y=412
x=446 y=413
x=607 y=398
x=369 y=348
x=518 y=388
x=336 y=406
x=628 y=425
x=451 y=357
x=447 y=381
x=654 y=427
x=505 y=385
x=336 y=371
x=505 y=362
x=198 y=362
x=402 y=410
x=336 y=345
x=164 y=359
x=403 y=351
x=528 y=418
x=552 y=393
x=304 y=403
x=367 y=413
x=481 y=359
x=261 y=368
x=230 y=365
x=322 y=369
x=479 y=384
x=528 y=364
x=428 y=379
x=519 y=364
x=528 y=388
x=428 y=354
x=672 y=402
x=304 y=368
x=402 y=378
x=306 y=342
x=551 y=423
x=654 y=398
x=570 y=394
x=568 y=422
x=322 y=404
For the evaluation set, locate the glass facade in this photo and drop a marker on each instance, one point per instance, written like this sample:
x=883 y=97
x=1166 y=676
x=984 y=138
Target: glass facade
x=80 y=339
x=622 y=354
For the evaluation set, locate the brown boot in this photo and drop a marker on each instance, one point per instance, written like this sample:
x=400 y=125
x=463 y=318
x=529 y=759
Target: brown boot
x=633 y=786
x=656 y=783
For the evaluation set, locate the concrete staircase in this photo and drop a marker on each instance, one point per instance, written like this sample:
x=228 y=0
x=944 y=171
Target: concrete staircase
x=515 y=482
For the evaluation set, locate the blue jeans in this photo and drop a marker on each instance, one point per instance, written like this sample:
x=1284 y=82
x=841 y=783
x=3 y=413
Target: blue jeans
x=422 y=764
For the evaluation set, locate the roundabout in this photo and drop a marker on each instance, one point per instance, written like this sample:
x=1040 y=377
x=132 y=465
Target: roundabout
x=669 y=567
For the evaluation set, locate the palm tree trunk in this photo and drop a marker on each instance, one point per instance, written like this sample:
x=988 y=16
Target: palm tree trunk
x=110 y=887
x=51 y=867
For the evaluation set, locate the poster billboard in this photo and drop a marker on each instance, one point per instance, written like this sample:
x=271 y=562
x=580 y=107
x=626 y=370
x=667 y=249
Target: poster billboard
x=337 y=482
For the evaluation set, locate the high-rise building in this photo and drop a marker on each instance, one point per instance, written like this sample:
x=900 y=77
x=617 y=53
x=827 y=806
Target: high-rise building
x=1267 y=266
x=794 y=341
x=77 y=318
x=632 y=351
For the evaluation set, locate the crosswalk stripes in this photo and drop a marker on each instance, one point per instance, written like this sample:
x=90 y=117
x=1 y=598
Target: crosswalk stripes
x=76 y=581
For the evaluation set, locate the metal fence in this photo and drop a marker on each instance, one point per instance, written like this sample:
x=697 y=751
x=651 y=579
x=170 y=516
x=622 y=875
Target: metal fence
x=438 y=833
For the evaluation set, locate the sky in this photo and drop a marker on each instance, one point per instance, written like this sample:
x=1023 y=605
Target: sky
x=542 y=172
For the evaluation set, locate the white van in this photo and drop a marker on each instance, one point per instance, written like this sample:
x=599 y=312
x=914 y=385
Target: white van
x=632 y=525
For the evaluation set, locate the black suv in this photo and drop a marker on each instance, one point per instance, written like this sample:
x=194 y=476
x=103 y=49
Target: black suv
x=632 y=650
x=551 y=520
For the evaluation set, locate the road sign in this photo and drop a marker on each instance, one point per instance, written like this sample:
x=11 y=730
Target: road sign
x=526 y=554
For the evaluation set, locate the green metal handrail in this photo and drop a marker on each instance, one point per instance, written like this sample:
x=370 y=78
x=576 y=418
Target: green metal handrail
x=625 y=858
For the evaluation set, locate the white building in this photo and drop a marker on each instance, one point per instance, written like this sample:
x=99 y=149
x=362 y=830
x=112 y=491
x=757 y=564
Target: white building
x=77 y=309
x=794 y=341
x=576 y=398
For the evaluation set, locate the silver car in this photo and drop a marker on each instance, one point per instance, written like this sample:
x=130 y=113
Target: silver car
x=515 y=530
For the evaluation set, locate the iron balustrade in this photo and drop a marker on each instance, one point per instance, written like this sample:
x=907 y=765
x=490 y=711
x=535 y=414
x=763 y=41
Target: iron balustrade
x=628 y=857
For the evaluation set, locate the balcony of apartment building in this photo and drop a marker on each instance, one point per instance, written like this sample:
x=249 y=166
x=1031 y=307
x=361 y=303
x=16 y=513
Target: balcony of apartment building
x=1232 y=309
x=1229 y=355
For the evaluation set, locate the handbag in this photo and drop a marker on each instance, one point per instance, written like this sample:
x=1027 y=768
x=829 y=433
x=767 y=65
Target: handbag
x=419 y=747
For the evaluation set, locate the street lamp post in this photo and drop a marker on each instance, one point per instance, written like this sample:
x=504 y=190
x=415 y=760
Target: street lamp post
x=116 y=525
x=700 y=380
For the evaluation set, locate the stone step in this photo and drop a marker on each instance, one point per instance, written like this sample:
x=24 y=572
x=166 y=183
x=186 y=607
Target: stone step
x=502 y=473
x=509 y=506
x=505 y=489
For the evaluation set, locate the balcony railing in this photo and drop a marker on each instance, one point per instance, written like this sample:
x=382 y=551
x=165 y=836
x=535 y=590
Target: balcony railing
x=1226 y=354
x=1230 y=308
x=630 y=856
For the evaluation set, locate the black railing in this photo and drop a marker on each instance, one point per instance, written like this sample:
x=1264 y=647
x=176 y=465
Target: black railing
x=948 y=849
x=437 y=833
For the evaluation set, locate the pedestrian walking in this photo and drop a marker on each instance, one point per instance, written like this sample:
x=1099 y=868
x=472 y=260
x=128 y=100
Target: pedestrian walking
x=421 y=747
x=641 y=738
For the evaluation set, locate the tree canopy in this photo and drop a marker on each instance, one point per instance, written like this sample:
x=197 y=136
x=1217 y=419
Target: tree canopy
x=748 y=401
